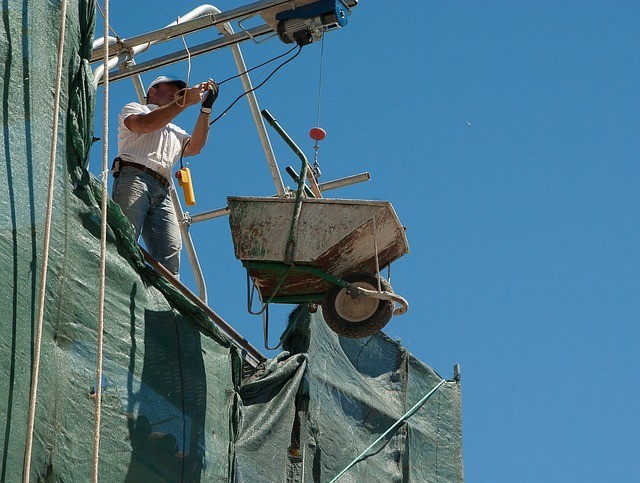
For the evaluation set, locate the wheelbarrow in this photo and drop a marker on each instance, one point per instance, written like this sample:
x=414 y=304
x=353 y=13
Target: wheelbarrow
x=321 y=251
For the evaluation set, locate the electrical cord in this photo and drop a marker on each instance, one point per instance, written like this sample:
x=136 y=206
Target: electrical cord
x=258 y=86
x=249 y=91
x=257 y=66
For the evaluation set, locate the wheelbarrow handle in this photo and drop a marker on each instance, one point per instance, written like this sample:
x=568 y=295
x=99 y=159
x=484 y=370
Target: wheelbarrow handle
x=268 y=116
x=296 y=177
x=384 y=295
x=306 y=167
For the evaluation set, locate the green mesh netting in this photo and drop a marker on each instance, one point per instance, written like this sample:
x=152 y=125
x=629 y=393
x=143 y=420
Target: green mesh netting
x=165 y=418
x=174 y=407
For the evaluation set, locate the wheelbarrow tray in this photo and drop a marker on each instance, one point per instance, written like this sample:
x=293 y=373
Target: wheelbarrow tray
x=334 y=236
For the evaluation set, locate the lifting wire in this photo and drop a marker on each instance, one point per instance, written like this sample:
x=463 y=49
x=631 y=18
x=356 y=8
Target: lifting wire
x=103 y=252
x=316 y=147
x=45 y=255
x=320 y=80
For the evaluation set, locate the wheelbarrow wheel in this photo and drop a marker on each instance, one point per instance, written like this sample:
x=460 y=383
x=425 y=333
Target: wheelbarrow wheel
x=359 y=316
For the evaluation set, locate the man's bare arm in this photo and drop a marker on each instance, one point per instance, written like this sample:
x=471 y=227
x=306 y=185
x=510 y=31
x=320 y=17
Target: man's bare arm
x=160 y=117
x=199 y=137
x=154 y=120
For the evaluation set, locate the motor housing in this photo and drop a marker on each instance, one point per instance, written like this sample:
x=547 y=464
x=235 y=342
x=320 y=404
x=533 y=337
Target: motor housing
x=308 y=24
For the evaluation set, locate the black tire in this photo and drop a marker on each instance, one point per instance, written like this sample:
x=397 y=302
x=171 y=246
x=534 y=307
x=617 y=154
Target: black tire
x=369 y=315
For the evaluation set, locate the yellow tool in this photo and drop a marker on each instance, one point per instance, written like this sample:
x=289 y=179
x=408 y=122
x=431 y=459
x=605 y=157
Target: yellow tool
x=184 y=180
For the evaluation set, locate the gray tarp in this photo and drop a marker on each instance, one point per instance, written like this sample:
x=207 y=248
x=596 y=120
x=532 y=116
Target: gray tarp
x=174 y=408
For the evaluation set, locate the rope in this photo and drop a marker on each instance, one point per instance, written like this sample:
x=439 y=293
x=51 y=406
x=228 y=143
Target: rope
x=106 y=33
x=103 y=252
x=184 y=97
x=186 y=47
x=45 y=249
x=395 y=426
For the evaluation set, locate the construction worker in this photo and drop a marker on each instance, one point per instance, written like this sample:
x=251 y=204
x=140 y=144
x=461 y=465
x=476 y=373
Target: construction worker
x=148 y=147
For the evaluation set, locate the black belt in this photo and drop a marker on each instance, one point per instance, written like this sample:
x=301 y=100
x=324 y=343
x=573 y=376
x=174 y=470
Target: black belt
x=141 y=167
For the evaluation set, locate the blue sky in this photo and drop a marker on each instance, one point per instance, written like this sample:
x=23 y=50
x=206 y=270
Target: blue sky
x=506 y=135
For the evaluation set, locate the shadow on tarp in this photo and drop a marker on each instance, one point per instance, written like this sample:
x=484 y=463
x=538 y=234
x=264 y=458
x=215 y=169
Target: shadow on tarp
x=167 y=429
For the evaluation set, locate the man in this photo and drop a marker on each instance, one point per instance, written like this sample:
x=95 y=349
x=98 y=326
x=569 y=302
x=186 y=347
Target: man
x=148 y=147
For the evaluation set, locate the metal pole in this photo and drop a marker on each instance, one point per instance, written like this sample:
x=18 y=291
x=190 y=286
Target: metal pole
x=340 y=183
x=138 y=86
x=98 y=45
x=188 y=244
x=257 y=119
x=208 y=215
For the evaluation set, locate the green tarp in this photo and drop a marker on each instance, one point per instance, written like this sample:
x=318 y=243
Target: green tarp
x=326 y=398
x=174 y=406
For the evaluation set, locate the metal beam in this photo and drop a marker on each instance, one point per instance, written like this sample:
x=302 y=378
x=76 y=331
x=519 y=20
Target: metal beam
x=168 y=59
x=173 y=31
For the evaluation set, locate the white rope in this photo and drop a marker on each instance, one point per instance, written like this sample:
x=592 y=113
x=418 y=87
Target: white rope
x=103 y=251
x=103 y=16
x=186 y=48
x=45 y=249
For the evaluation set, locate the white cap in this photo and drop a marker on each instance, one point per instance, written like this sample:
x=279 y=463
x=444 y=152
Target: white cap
x=168 y=80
